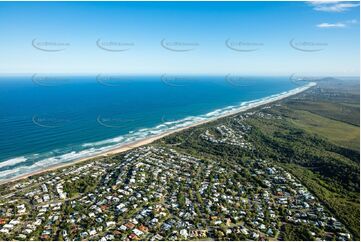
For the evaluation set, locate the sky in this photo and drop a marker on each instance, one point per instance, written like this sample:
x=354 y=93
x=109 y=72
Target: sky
x=195 y=38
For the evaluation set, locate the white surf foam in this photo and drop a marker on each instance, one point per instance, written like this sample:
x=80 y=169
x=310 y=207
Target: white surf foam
x=133 y=136
x=13 y=161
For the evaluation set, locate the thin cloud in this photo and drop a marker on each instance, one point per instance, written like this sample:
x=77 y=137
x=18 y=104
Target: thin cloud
x=338 y=24
x=328 y=25
x=333 y=6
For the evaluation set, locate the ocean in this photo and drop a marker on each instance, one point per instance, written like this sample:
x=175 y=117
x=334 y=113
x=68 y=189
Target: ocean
x=48 y=120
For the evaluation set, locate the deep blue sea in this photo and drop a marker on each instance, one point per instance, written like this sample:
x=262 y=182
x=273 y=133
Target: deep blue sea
x=46 y=120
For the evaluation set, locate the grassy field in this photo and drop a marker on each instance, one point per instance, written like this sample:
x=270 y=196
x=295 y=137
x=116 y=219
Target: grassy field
x=343 y=111
x=332 y=98
x=339 y=133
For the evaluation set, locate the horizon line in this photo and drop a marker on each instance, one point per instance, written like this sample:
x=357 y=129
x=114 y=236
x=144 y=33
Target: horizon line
x=178 y=74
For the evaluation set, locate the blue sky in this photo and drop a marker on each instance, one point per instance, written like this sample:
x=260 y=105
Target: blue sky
x=248 y=38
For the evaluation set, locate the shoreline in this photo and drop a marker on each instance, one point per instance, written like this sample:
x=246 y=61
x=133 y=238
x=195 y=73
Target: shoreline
x=126 y=147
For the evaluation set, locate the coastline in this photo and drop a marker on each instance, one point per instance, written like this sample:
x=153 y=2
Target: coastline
x=126 y=147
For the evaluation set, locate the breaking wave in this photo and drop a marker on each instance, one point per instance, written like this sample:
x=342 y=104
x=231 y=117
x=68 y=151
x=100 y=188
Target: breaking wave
x=60 y=156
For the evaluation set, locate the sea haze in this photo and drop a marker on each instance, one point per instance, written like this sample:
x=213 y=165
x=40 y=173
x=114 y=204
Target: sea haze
x=47 y=120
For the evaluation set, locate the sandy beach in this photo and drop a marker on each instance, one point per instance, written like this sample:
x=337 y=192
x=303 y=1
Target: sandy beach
x=148 y=140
